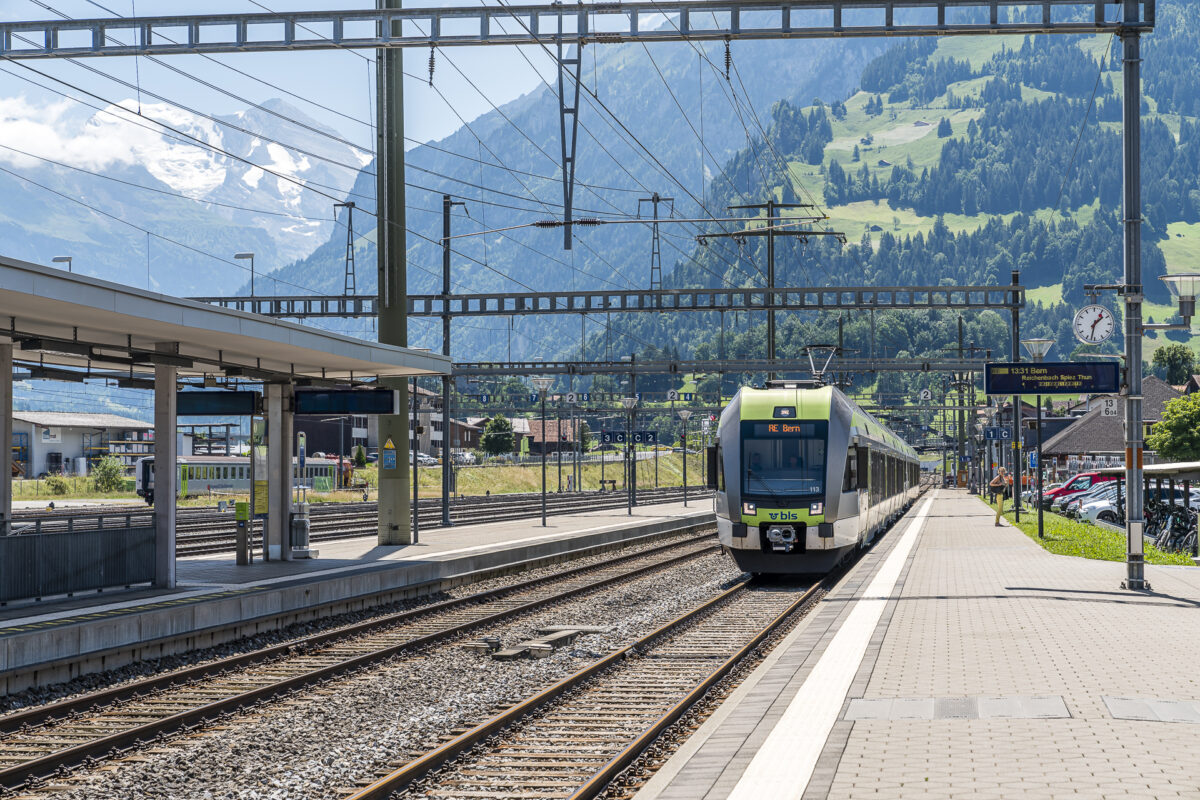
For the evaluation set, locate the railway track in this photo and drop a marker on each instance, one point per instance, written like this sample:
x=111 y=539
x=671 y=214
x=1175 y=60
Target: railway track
x=574 y=738
x=201 y=531
x=47 y=740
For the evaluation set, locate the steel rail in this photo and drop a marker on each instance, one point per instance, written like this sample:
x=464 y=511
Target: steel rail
x=34 y=769
x=442 y=755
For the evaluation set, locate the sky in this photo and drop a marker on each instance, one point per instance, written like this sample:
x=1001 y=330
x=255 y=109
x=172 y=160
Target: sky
x=340 y=84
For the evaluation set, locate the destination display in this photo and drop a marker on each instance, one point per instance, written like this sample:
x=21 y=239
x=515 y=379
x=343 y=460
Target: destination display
x=347 y=401
x=807 y=430
x=1054 y=377
x=216 y=404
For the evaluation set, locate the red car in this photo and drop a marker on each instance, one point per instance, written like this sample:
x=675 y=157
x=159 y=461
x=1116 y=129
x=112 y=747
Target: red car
x=1080 y=483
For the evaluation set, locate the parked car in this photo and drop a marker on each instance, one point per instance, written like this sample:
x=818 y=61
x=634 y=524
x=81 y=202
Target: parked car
x=1100 y=492
x=1080 y=483
x=1105 y=509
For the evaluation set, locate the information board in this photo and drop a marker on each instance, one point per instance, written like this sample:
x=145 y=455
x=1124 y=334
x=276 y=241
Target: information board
x=1056 y=377
x=216 y=404
x=347 y=401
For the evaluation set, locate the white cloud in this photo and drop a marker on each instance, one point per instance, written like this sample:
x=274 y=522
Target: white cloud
x=116 y=137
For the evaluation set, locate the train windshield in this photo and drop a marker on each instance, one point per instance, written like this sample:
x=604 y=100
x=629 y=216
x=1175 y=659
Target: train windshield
x=784 y=458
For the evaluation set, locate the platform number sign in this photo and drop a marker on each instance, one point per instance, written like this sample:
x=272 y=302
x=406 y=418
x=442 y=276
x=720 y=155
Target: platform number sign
x=996 y=433
x=926 y=395
x=672 y=395
x=533 y=398
x=572 y=398
x=1110 y=407
x=606 y=437
x=485 y=398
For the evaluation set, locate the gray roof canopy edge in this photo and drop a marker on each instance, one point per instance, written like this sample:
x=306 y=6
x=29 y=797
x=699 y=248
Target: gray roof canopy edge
x=38 y=301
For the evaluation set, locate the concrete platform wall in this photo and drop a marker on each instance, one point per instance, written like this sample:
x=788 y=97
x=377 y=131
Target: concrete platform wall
x=176 y=625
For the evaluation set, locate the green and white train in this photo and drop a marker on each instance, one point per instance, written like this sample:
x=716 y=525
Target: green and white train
x=803 y=476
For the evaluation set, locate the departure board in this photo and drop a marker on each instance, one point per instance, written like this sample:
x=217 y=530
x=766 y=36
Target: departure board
x=1053 y=377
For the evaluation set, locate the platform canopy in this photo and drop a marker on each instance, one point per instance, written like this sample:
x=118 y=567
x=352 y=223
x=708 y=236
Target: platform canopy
x=59 y=319
x=1180 y=471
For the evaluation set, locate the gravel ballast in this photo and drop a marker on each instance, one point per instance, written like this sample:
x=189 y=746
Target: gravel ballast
x=84 y=684
x=312 y=745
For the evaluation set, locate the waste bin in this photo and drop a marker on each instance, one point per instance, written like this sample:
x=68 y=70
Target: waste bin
x=299 y=526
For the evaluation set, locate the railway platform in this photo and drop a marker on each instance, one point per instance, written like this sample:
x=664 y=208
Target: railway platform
x=216 y=600
x=959 y=659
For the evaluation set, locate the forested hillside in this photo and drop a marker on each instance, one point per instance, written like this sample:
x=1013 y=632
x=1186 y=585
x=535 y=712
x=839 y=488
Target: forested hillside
x=957 y=162
x=951 y=161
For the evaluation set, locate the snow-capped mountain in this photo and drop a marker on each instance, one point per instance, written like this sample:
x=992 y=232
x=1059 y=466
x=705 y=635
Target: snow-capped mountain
x=202 y=189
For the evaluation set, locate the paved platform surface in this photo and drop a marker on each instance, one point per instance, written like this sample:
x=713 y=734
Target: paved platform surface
x=214 y=591
x=959 y=659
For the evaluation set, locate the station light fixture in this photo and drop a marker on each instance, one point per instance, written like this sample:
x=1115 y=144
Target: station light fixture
x=63 y=260
x=685 y=414
x=243 y=257
x=60 y=347
x=1184 y=287
x=543 y=383
x=1037 y=348
x=629 y=402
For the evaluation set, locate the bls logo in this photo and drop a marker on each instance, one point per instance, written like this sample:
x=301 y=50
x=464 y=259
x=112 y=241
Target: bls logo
x=783 y=515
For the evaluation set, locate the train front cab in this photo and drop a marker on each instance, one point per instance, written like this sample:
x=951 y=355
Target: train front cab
x=778 y=470
x=866 y=481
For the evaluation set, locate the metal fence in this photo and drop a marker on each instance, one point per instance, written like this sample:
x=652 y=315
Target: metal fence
x=42 y=565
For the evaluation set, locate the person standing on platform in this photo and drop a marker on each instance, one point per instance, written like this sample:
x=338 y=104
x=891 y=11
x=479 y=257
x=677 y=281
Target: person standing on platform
x=1000 y=487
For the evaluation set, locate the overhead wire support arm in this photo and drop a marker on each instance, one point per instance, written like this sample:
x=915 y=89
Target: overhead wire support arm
x=568 y=114
x=705 y=20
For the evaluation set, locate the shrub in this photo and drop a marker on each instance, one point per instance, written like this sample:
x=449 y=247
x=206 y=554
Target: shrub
x=109 y=475
x=360 y=457
x=57 y=484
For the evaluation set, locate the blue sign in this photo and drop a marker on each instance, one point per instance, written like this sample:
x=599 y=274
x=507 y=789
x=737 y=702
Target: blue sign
x=485 y=398
x=687 y=397
x=606 y=437
x=996 y=433
x=389 y=454
x=1033 y=459
x=533 y=398
x=585 y=397
x=301 y=448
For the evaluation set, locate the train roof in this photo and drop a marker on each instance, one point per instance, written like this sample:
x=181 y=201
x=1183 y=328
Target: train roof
x=816 y=403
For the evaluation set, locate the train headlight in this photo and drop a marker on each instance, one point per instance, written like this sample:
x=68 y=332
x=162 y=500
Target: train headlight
x=749 y=508
x=816 y=508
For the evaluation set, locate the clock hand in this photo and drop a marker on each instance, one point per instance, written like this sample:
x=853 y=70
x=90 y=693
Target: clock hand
x=1094 y=324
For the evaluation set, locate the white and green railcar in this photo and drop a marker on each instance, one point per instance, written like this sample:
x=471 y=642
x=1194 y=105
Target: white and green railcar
x=803 y=476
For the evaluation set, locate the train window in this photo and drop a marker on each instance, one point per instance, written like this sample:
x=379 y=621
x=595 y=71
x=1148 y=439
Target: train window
x=787 y=458
x=850 y=478
x=720 y=469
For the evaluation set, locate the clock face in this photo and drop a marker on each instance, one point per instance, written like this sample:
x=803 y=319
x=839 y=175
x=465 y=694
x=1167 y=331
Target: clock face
x=1093 y=324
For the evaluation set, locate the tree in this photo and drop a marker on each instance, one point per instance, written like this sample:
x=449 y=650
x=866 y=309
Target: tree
x=585 y=436
x=109 y=474
x=1174 y=363
x=1177 y=436
x=498 y=436
x=360 y=457
x=944 y=130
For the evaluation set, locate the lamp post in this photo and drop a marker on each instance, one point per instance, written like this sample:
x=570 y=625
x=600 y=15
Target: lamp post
x=630 y=453
x=62 y=260
x=243 y=257
x=1183 y=286
x=1037 y=349
x=685 y=414
x=543 y=384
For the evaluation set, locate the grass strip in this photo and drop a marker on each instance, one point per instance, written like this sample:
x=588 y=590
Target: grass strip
x=1066 y=537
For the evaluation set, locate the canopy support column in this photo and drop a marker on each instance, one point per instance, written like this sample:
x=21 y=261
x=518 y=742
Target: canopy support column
x=166 y=459
x=6 y=389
